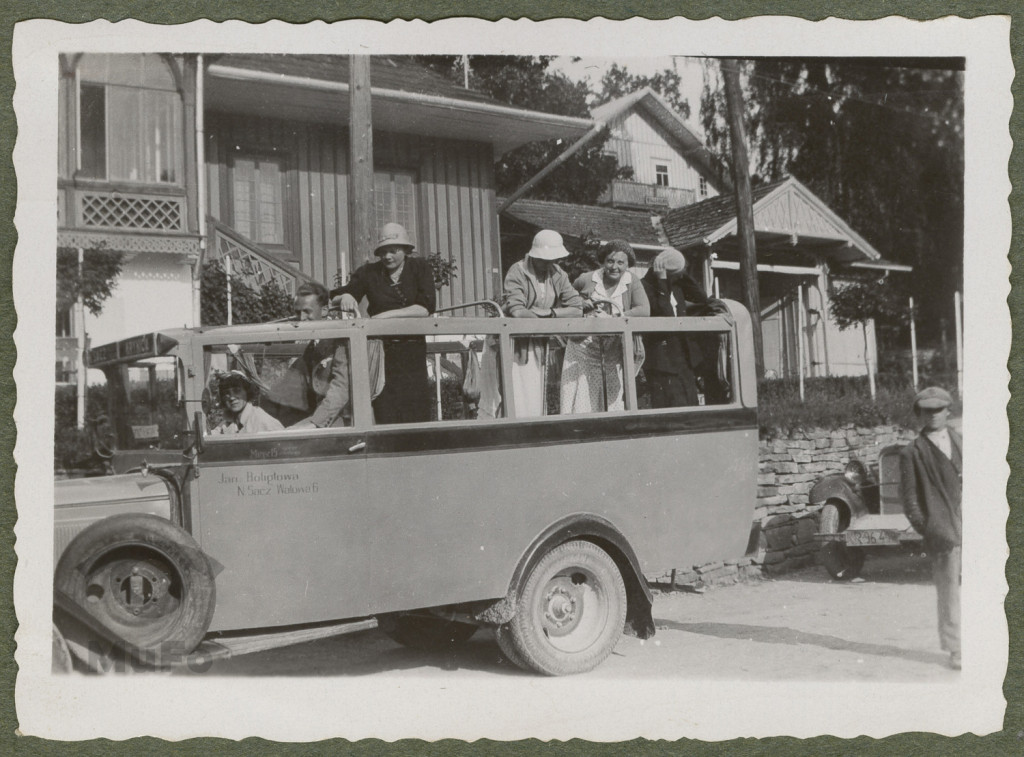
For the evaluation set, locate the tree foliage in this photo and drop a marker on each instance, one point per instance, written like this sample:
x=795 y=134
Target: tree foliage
x=94 y=283
x=528 y=82
x=247 y=305
x=881 y=144
x=618 y=82
x=853 y=303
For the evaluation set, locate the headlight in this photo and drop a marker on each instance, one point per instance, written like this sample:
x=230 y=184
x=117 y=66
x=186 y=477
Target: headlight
x=855 y=472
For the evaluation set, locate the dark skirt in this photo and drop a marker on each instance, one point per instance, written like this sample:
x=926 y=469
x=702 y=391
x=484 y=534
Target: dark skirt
x=406 y=394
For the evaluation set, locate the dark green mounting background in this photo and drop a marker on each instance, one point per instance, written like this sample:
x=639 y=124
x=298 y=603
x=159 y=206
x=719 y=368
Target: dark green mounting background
x=1010 y=741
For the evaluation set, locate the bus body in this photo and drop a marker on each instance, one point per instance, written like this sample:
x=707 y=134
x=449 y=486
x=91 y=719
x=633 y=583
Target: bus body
x=447 y=518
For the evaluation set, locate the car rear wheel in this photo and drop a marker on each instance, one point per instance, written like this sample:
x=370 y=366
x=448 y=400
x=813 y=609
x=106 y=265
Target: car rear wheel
x=142 y=578
x=570 y=612
x=842 y=563
x=426 y=633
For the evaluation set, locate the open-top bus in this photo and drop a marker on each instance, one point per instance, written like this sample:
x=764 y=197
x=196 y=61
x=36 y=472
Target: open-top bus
x=542 y=519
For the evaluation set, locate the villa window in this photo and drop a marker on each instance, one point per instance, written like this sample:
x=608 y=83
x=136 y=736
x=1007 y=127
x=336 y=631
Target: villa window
x=661 y=174
x=394 y=196
x=130 y=120
x=258 y=197
x=703 y=187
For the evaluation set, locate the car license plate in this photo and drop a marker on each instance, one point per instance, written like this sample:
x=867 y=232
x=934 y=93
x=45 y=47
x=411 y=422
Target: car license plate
x=872 y=538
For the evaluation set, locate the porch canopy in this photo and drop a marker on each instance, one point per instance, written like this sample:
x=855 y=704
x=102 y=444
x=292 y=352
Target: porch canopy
x=407 y=98
x=794 y=231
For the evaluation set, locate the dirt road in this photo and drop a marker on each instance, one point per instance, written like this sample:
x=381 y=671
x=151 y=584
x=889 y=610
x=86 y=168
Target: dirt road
x=800 y=626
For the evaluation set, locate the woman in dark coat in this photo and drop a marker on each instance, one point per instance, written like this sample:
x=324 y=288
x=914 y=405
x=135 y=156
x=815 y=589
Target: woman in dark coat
x=396 y=286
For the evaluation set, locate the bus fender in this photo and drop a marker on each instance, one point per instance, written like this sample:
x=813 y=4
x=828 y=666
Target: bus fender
x=836 y=487
x=593 y=528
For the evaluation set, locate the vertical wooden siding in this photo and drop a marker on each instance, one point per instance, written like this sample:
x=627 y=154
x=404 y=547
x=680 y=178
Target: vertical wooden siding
x=644 y=142
x=315 y=195
x=456 y=206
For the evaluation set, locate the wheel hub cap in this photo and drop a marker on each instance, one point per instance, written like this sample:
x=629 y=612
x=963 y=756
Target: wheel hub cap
x=563 y=605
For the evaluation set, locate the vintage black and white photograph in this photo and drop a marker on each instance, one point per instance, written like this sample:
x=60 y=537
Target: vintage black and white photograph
x=313 y=450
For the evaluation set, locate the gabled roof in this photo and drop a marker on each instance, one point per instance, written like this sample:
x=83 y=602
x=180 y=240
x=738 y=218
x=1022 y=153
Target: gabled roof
x=636 y=227
x=694 y=224
x=690 y=139
x=406 y=98
x=784 y=208
x=386 y=72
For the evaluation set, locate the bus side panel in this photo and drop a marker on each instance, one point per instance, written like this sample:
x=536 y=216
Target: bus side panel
x=454 y=526
x=440 y=516
x=289 y=538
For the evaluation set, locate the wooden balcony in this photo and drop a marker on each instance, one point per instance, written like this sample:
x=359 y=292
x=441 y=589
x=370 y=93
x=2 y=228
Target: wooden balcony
x=633 y=194
x=125 y=217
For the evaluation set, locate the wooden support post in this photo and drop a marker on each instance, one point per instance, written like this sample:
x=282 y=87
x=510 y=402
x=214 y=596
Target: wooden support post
x=800 y=336
x=360 y=135
x=913 y=343
x=80 y=369
x=744 y=206
x=959 y=322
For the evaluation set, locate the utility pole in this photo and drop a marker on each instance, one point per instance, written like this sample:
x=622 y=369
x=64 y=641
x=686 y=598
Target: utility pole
x=360 y=135
x=744 y=205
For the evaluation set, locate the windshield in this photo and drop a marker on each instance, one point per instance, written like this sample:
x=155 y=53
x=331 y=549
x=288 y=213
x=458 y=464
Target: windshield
x=143 y=407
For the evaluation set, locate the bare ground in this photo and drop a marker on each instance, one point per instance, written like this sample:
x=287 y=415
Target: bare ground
x=800 y=626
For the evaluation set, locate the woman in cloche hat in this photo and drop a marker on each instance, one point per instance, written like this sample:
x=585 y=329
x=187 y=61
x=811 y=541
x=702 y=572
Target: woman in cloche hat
x=396 y=286
x=536 y=287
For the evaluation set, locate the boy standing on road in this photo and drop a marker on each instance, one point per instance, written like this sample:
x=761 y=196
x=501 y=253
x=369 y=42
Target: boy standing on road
x=931 y=477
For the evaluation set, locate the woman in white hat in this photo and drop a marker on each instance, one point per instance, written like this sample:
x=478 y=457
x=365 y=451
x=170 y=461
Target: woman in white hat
x=536 y=287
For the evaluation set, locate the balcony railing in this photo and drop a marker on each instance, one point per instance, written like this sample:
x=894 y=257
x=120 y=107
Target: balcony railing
x=254 y=265
x=634 y=194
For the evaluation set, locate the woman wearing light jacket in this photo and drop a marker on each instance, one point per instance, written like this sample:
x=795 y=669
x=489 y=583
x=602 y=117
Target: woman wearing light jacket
x=536 y=287
x=592 y=374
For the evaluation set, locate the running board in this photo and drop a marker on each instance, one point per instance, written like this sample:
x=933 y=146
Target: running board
x=224 y=647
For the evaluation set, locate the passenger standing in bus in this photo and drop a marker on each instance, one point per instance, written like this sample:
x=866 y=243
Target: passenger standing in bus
x=614 y=282
x=536 y=287
x=396 y=286
x=324 y=365
x=592 y=368
x=667 y=365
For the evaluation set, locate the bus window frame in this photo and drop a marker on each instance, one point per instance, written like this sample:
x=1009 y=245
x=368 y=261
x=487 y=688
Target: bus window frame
x=358 y=331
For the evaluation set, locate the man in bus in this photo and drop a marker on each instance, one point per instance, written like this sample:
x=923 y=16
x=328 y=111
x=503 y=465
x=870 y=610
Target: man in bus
x=326 y=366
x=931 y=477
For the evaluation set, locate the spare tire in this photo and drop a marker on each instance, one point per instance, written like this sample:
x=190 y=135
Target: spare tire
x=144 y=579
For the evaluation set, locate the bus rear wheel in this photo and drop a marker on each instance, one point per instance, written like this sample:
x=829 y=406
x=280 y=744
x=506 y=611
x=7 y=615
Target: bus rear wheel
x=425 y=633
x=570 y=612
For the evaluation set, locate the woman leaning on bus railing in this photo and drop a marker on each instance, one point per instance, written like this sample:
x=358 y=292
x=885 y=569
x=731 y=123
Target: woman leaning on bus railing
x=536 y=287
x=396 y=286
x=592 y=368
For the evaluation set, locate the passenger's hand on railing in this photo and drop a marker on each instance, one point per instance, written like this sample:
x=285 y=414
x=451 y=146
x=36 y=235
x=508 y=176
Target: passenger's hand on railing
x=346 y=303
x=525 y=313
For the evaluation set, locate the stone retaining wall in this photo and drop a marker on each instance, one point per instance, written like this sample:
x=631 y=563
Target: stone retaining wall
x=782 y=535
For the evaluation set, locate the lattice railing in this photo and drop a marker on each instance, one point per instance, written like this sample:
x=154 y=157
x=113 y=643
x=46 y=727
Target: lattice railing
x=255 y=266
x=106 y=210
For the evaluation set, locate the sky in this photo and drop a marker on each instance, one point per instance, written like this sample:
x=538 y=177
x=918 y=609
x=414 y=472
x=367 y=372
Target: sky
x=689 y=70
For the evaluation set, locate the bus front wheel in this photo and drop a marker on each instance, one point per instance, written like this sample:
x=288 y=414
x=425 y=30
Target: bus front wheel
x=570 y=612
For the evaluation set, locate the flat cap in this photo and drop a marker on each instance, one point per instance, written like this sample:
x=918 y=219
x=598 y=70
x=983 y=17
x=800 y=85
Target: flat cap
x=933 y=398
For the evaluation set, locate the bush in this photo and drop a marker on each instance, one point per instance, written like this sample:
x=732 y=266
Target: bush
x=247 y=305
x=833 y=402
x=72 y=447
